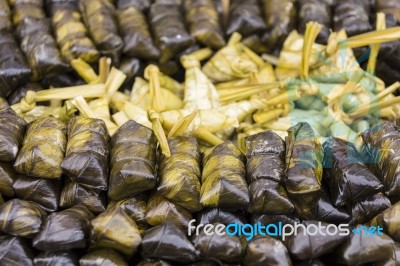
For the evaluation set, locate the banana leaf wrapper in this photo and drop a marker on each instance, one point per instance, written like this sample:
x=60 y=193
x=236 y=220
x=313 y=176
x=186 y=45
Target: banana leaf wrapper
x=203 y=22
x=12 y=129
x=44 y=192
x=255 y=254
x=245 y=18
x=280 y=18
x=169 y=30
x=304 y=169
x=71 y=34
x=388 y=7
x=394 y=259
x=103 y=257
x=315 y=262
x=224 y=248
x=223 y=178
x=65 y=230
x=3 y=103
x=150 y=262
x=180 y=173
x=86 y=159
x=389 y=220
x=266 y=219
x=353 y=16
x=132 y=67
x=7 y=177
x=136 y=34
x=369 y=207
x=348 y=178
x=66 y=258
x=100 y=19
x=327 y=212
x=15 y=251
x=43 y=149
x=74 y=193
x=20 y=92
x=142 y=5
x=169 y=243
x=361 y=249
x=160 y=210
x=5 y=16
x=14 y=70
x=382 y=143
x=133 y=161
x=255 y=43
x=135 y=207
x=21 y=218
x=211 y=216
x=115 y=229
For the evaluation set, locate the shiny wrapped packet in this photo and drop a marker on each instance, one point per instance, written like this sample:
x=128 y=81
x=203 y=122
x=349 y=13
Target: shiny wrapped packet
x=7 y=177
x=5 y=16
x=364 y=210
x=210 y=216
x=103 y=257
x=223 y=178
x=142 y=5
x=352 y=16
x=180 y=173
x=43 y=149
x=65 y=230
x=20 y=92
x=135 y=208
x=133 y=161
x=12 y=130
x=255 y=254
x=151 y=262
x=86 y=159
x=21 y=218
x=327 y=212
x=389 y=220
x=15 y=251
x=66 y=258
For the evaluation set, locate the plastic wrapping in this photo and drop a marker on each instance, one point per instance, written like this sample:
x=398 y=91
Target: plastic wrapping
x=135 y=208
x=352 y=16
x=43 y=149
x=103 y=257
x=133 y=161
x=389 y=220
x=180 y=173
x=15 y=251
x=211 y=216
x=204 y=25
x=367 y=208
x=21 y=218
x=169 y=243
x=5 y=16
x=256 y=255
x=115 y=229
x=7 y=177
x=65 y=230
x=66 y=258
x=223 y=178
x=86 y=158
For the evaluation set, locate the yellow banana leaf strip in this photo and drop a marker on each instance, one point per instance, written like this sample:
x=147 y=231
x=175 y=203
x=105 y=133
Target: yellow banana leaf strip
x=74 y=193
x=135 y=208
x=255 y=252
x=115 y=229
x=169 y=30
x=169 y=243
x=352 y=16
x=133 y=161
x=71 y=34
x=20 y=92
x=103 y=257
x=14 y=70
x=214 y=215
x=100 y=19
x=180 y=173
x=203 y=22
x=142 y=5
x=364 y=210
x=44 y=192
x=65 y=230
x=21 y=218
x=86 y=159
x=136 y=34
x=15 y=251
x=34 y=34
x=7 y=177
x=223 y=178
x=5 y=16
x=389 y=220
x=12 y=130
x=43 y=149
x=56 y=258
x=151 y=262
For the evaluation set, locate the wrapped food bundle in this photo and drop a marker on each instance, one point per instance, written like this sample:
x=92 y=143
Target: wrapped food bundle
x=12 y=130
x=389 y=220
x=352 y=16
x=215 y=215
x=56 y=258
x=19 y=93
x=7 y=177
x=106 y=257
x=255 y=252
x=151 y=262
x=43 y=149
x=142 y=5
x=369 y=207
x=15 y=251
x=5 y=16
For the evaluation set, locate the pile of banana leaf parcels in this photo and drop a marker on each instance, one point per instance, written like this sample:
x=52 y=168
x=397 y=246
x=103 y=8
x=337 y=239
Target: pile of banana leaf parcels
x=122 y=121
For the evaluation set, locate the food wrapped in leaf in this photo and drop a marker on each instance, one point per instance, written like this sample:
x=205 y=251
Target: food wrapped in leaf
x=131 y=67
x=20 y=92
x=14 y=70
x=352 y=16
x=136 y=34
x=169 y=243
x=43 y=149
x=103 y=257
x=86 y=158
x=266 y=219
x=3 y=103
x=204 y=24
x=15 y=251
x=366 y=209
x=210 y=216
x=169 y=29
x=256 y=255
x=135 y=208
x=389 y=7
x=150 y=262
x=44 y=192
x=68 y=229
x=7 y=177
x=115 y=229
x=142 y=5
x=327 y=212
x=348 y=178
x=21 y=218
x=74 y=193
x=389 y=220
x=133 y=158
x=160 y=210
x=394 y=259
x=5 y=16
x=304 y=169
x=223 y=178
x=71 y=34
x=180 y=173
x=56 y=258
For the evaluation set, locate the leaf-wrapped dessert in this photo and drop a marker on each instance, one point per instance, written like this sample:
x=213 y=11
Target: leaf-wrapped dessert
x=103 y=257
x=353 y=16
x=327 y=212
x=19 y=93
x=364 y=210
x=223 y=178
x=5 y=16
x=12 y=130
x=180 y=173
x=133 y=157
x=214 y=215
x=7 y=177
x=21 y=218
x=255 y=254
x=65 y=230
x=43 y=149
x=142 y=5
x=389 y=220
x=151 y=262
x=56 y=258
x=15 y=251
x=86 y=158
